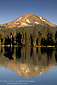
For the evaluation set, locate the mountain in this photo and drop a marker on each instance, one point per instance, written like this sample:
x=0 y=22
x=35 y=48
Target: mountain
x=28 y=20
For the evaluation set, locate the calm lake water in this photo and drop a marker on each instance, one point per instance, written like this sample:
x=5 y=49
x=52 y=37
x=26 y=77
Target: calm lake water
x=28 y=66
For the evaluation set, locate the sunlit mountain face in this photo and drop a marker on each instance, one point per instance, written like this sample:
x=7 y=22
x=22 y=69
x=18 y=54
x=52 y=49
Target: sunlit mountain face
x=27 y=61
x=28 y=20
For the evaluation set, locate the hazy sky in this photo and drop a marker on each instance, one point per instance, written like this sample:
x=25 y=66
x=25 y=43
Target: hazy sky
x=12 y=9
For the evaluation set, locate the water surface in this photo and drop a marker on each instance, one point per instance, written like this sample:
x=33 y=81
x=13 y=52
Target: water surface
x=28 y=66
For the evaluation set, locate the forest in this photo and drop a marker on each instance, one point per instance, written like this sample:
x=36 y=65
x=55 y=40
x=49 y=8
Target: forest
x=44 y=36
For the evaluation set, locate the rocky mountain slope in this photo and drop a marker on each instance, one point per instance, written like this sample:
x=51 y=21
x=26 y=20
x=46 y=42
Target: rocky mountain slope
x=28 y=20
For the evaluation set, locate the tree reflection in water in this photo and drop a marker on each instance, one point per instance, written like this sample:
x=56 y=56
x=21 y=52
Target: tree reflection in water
x=28 y=61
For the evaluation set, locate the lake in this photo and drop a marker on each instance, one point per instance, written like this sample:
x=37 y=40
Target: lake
x=28 y=66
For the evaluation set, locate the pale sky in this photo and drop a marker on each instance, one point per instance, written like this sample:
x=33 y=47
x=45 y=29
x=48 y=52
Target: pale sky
x=12 y=9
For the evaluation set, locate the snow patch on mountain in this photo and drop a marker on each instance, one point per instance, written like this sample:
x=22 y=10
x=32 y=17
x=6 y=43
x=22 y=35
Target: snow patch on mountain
x=19 y=19
x=36 y=23
x=42 y=19
x=24 y=24
x=27 y=20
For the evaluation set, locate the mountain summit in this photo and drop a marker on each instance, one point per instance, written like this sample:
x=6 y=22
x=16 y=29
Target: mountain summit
x=28 y=20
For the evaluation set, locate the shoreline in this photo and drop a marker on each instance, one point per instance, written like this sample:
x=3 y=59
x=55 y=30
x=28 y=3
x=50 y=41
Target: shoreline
x=23 y=46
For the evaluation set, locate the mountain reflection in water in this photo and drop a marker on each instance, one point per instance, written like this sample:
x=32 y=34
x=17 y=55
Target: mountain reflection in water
x=28 y=61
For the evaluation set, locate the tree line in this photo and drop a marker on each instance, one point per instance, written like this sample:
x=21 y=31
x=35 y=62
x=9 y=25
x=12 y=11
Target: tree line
x=44 y=36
